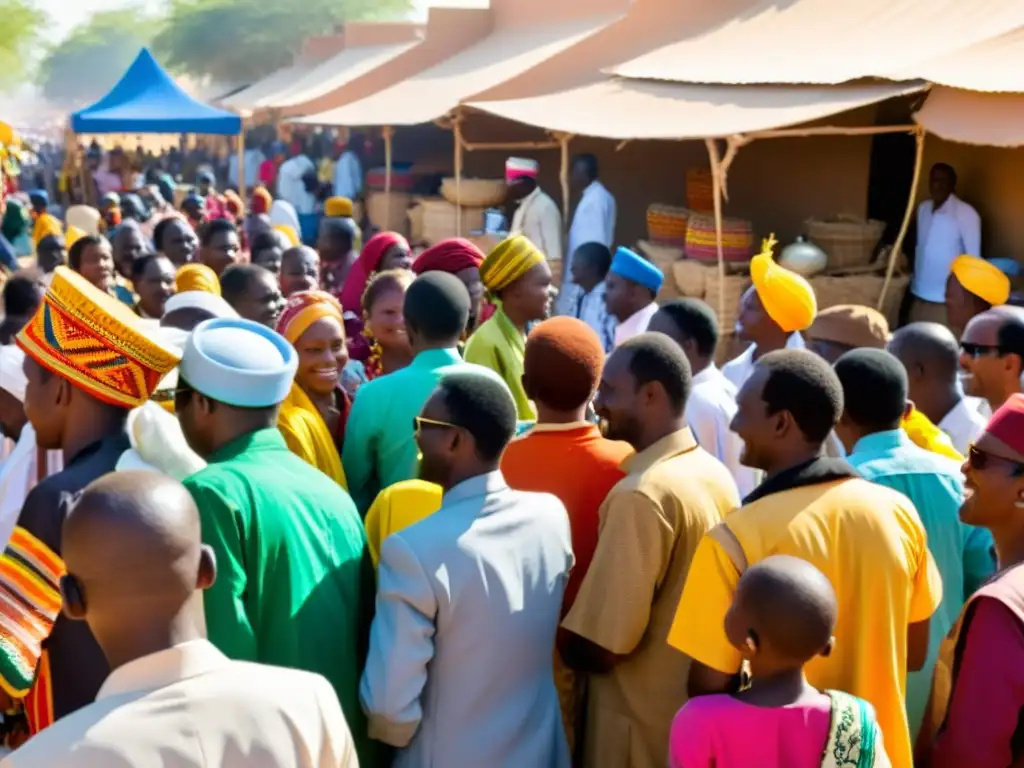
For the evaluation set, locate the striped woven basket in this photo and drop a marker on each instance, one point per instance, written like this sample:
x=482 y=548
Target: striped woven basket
x=700 y=190
x=701 y=245
x=666 y=224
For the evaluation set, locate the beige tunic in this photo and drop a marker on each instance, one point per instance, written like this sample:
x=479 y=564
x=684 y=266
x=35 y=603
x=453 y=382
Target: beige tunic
x=651 y=523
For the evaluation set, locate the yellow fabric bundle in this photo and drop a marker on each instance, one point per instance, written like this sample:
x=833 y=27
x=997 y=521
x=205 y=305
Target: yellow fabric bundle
x=787 y=297
x=289 y=232
x=46 y=224
x=508 y=261
x=197 y=277
x=338 y=207
x=924 y=434
x=982 y=278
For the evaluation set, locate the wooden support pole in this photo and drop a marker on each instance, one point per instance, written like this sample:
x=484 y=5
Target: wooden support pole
x=459 y=145
x=387 y=132
x=907 y=216
x=716 y=185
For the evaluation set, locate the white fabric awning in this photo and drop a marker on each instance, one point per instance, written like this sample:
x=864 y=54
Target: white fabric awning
x=434 y=92
x=971 y=117
x=822 y=41
x=995 y=65
x=248 y=99
x=617 y=108
x=335 y=72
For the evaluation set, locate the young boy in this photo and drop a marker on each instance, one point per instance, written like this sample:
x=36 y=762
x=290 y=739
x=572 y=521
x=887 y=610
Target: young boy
x=783 y=616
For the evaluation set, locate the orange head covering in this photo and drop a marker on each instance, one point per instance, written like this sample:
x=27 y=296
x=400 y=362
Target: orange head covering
x=982 y=278
x=197 y=277
x=305 y=308
x=95 y=342
x=452 y=255
x=234 y=203
x=787 y=297
x=338 y=207
x=260 y=201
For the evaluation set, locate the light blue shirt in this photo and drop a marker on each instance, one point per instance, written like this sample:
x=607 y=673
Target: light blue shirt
x=348 y=176
x=962 y=553
x=380 y=447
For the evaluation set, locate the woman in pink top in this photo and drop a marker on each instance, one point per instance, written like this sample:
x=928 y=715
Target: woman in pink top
x=782 y=616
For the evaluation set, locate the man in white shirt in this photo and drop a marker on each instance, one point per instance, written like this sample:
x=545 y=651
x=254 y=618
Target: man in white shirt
x=931 y=355
x=348 y=172
x=537 y=215
x=291 y=185
x=252 y=160
x=592 y=222
x=946 y=228
x=712 y=404
x=992 y=355
x=590 y=265
x=171 y=693
x=630 y=288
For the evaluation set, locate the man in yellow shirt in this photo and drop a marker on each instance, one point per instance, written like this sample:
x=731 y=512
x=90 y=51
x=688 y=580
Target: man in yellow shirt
x=868 y=540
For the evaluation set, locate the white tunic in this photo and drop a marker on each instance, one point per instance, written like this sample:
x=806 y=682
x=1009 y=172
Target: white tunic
x=738 y=369
x=709 y=412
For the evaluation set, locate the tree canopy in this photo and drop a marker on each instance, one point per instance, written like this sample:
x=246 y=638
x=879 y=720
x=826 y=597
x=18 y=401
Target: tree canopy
x=90 y=60
x=234 y=41
x=22 y=25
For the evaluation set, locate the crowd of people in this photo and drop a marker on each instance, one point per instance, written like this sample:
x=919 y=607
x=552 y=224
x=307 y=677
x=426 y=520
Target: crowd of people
x=270 y=504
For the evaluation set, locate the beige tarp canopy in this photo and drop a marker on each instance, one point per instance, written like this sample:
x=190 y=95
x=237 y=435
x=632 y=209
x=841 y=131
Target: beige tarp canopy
x=971 y=117
x=248 y=99
x=995 y=65
x=821 y=41
x=337 y=71
x=433 y=93
x=618 y=108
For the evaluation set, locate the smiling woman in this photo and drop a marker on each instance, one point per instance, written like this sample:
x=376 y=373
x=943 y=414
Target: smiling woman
x=314 y=415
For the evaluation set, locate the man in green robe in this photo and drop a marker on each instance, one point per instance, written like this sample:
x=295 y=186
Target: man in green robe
x=295 y=583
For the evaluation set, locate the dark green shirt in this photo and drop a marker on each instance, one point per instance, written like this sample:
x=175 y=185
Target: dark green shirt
x=294 y=581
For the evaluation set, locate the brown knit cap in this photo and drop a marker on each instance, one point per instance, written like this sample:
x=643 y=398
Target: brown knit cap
x=563 y=363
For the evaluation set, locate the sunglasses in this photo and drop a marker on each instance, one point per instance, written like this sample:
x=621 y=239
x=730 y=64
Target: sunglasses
x=974 y=351
x=419 y=422
x=981 y=460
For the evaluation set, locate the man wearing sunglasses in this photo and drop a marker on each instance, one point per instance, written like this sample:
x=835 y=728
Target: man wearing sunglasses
x=460 y=670
x=992 y=354
x=974 y=717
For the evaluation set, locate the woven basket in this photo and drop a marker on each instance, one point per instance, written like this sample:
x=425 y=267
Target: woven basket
x=395 y=219
x=664 y=258
x=728 y=310
x=863 y=289
x=848 y=241
x=701 y=244
x=475 y=193
x=440 y=217
x=689 y=277
x=666 y=224
x=700 y=191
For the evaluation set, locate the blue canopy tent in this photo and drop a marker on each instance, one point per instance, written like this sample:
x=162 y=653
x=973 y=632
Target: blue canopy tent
x=147 y=100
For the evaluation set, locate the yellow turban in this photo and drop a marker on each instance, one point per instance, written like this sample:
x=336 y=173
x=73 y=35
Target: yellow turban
x=338 y=207
x=73 y=235
x=787 y=297
x=508 y=261
x=46 y=224
x=289 y=231
x=982 y=278
x=197 y=277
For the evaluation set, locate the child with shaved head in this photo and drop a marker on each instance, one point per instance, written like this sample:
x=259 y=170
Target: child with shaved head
x=782 y=617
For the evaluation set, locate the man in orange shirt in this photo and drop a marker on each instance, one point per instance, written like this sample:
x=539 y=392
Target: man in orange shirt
x=564 y=454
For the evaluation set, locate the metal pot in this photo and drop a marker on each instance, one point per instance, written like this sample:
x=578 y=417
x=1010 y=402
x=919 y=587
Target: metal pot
x=803 y=257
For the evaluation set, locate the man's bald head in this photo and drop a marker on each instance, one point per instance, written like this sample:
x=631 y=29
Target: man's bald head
x=134 y=554
x=927 y=349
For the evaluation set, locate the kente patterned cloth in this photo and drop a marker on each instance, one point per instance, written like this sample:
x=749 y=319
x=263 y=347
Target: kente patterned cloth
x=29 y=603
x=95 y=342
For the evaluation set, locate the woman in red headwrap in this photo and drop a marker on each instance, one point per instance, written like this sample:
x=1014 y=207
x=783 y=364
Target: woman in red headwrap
x=460 y=257
x=383 y=251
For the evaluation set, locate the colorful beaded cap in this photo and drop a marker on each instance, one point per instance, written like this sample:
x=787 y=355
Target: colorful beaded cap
x=95 y=342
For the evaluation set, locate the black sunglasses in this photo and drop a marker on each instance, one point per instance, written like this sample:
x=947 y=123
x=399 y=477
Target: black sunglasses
x=981 y=460
x=977 y=350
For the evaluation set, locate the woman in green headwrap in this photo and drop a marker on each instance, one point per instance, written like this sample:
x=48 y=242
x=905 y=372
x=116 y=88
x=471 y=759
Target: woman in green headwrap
x=15 y=225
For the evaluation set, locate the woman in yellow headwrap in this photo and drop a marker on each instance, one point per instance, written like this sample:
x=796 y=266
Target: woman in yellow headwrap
x=974 y=286
x=196 y=277
x=517 y=276
x=314 y=415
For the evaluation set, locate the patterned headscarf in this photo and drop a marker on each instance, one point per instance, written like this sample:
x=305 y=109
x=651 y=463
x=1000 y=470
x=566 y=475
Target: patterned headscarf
x=508 y=261
x=305 y=308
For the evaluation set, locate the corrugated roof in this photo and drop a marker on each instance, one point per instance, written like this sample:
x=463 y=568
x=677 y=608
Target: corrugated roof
x=971 y=117
x=337 y=71
x=247 y=99
x=995 y=65
x=434 y=92
x=822 y=41
x=617 y=108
